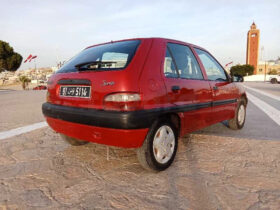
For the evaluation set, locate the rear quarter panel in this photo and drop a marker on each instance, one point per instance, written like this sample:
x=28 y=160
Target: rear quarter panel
x=151 y=82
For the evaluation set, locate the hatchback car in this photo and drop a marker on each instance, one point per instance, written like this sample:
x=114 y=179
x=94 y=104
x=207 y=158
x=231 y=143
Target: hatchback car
x=144 y=94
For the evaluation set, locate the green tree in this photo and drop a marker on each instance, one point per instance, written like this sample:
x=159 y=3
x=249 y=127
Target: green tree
x=9 y=60
x=242 y=70
x=24 y=81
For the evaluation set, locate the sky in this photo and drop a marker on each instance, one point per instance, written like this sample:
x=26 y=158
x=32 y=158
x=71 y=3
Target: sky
x=56 y=30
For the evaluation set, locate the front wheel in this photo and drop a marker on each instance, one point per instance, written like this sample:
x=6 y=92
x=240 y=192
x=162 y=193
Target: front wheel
x=240 y=115
x=159 y=148
x=273 y=81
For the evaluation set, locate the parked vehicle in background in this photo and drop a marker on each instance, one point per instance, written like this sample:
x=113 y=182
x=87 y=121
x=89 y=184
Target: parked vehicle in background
x=274 y=79
x=40 y=87
x=144 y=94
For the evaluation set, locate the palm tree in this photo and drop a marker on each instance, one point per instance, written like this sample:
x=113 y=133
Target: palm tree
x=24 y=81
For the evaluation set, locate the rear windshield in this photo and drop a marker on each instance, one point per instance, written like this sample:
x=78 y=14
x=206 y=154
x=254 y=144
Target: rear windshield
x=112 y=56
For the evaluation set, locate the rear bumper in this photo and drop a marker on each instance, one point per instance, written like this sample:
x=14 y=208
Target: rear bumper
x=100 y=118
x=122 y=129
x=127 y=138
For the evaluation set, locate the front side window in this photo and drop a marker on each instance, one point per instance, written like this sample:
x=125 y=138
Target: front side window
x=111 y=56
x=213 y=70
x=180 y=62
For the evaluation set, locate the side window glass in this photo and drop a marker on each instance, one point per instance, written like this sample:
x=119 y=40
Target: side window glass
x=169 y=66
x=185 y=61
x=213 y=70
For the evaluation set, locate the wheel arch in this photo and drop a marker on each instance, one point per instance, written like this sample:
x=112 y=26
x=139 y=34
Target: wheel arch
x=244 y=97
x=274 y=80
x=174 y=118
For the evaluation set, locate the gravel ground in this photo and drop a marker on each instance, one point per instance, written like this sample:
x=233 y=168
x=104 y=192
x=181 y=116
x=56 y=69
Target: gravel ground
x=40 y=171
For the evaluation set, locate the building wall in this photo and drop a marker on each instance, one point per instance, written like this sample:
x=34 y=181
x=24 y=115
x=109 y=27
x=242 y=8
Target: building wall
x=266 y=68
x=252 y=54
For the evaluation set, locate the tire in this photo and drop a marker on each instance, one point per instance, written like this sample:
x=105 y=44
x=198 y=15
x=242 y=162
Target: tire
x=73 y=141
x=238 y=121
x=160 y=146
x=273 y=81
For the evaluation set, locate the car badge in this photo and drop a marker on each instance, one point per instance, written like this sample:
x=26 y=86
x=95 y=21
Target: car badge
x=108 y=83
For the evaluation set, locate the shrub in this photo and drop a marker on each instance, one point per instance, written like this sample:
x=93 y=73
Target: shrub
x=242 y=70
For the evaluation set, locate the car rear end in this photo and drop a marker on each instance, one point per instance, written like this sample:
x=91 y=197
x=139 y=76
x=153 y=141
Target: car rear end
x=95 y=96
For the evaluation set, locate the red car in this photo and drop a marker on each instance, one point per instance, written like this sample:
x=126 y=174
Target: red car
x=40 y=87
x=142 y=93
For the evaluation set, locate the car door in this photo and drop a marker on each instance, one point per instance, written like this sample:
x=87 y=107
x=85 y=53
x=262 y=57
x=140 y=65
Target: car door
x=223 y=90
x=186 y=87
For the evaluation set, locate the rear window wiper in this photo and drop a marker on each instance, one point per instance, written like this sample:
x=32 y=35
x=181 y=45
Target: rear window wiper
x=89 y=63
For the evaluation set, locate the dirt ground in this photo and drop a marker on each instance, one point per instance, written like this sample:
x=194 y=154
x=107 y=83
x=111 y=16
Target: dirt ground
x=40 y=171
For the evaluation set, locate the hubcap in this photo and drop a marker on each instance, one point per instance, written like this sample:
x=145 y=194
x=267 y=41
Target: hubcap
x=241 y=114
x=163 y=144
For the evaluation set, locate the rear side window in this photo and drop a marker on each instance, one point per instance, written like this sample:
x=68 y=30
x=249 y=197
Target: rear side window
x=169 y=67
x=213 y=69
x=111 y=56
x=180 y=62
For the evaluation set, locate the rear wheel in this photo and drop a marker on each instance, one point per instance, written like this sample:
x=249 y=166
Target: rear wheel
x=159 y=148
x=240 y=115
x=73 y=141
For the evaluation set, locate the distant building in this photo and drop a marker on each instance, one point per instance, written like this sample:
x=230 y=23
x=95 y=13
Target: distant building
x=8 y=77
x=266 y=67
x=54 y=68
x=252 y=55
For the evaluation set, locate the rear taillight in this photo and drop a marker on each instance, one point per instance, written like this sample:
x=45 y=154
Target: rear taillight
x=122 y=102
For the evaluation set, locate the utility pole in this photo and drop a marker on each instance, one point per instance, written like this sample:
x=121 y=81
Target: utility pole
x=264 y=71
x=263 y=57
x=36 y=73
x=262 y=53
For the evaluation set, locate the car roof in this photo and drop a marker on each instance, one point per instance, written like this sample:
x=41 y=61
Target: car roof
x=150 y=38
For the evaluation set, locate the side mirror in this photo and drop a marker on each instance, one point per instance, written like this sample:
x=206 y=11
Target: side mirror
x=237 y=78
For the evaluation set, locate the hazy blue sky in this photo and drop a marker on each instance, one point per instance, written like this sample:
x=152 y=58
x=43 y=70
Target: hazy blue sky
x=56 y=30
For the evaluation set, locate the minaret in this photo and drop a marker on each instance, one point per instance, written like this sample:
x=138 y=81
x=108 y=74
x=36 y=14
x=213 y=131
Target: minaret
x=253 y=38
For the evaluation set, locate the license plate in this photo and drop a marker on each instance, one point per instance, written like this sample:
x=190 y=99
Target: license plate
x=75 y=91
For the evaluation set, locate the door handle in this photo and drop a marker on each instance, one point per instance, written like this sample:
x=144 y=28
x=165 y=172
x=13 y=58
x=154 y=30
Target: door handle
x=215 y=88
x=175 y=88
